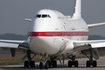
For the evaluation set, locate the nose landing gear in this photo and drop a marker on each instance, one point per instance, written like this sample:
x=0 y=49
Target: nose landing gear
x=44 y=62
x=53 y=62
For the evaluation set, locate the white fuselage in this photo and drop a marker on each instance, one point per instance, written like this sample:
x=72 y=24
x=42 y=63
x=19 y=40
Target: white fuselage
x=50 y=28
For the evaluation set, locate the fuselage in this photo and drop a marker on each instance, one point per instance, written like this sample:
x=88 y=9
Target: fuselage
x=50 y=28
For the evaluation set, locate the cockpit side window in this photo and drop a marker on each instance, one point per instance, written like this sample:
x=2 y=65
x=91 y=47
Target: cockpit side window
x=49 y=16
x=38 y=16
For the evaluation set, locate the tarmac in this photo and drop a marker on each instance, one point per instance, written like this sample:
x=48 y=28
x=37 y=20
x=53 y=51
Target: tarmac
x=82 y=66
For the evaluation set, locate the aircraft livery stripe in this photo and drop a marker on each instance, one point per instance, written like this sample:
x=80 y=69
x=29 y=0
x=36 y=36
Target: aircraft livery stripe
x=58 y=33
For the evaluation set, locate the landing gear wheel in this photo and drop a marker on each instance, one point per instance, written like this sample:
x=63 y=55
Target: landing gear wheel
x=54 y=63
x=46 y=65
x=94 y=64
x=32 y=64
x=69 y=63
x=76 y=63
x=26 y=64
x=41 y=65
x=49 y=63
x=88 y=64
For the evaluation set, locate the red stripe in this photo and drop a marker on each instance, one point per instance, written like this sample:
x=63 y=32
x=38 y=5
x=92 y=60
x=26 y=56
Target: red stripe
x=58 y=34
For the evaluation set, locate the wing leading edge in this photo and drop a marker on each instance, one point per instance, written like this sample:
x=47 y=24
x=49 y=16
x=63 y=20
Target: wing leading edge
x=96 y=25
x=92 y=43
x=13 y=43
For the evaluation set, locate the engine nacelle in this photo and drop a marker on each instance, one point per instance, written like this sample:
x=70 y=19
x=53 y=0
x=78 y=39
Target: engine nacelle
x=13 y=50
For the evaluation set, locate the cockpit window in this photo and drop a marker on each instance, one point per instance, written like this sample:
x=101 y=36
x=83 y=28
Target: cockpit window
x=49 y=16
x=38 y=16
x=43 y=16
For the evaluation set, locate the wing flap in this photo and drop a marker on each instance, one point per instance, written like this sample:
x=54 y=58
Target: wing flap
x=98 y=45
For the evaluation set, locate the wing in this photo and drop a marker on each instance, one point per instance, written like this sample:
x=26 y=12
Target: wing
x=84 y=46
x=96 y=25
x=91 y=43
x=14 y=44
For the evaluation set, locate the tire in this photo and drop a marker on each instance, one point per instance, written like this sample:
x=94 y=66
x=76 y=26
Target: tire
x=88 y=64
x=49 y=63
x=46 y=65
x=94 y=63
x=26 y=64
x=69 y=63
x=41 y=65
x=32 y=64
x=76 y=63
x=54 y=63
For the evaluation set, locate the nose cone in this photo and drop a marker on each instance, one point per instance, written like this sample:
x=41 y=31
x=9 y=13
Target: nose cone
x=41 y=25
x=43 y=45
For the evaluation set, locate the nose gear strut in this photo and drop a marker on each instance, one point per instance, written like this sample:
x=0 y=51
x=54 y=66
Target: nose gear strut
x=44 y=62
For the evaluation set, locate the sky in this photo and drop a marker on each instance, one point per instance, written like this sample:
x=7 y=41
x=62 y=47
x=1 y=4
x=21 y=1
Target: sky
x=14 y=12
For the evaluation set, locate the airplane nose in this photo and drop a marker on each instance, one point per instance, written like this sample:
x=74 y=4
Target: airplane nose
x=40 y=44
x=40 y=25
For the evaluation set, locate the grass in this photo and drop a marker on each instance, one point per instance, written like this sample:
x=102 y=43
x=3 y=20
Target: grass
x=7 y=59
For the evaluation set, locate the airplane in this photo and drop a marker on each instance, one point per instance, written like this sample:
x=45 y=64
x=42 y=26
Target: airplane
x=53 y=35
